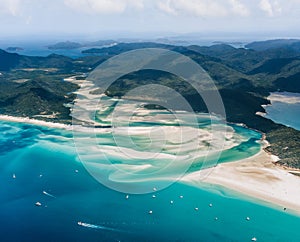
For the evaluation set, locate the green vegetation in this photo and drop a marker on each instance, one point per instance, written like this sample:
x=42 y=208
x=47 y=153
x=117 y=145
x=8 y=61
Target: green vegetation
x=32 y=86
x=293 y=44
x=68 y=45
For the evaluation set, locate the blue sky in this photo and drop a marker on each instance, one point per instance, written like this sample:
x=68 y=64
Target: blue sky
x=42 y=17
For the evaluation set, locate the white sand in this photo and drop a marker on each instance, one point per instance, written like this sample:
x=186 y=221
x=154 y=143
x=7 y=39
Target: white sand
x=34 y=121
x=258 y=177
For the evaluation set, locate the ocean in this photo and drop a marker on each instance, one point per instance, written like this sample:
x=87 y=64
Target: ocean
x=40 y=164
x=40 y=49
x=284 y=109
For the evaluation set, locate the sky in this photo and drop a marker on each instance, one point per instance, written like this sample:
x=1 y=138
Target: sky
x=148 y=17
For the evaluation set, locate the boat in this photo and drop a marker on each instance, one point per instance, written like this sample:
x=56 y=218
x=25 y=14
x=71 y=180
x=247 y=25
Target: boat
x=38 y=204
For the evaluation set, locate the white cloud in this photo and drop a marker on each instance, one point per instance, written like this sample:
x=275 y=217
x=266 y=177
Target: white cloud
x=166 y=7
x=266 y=6
x=11 y=7
x=103 y=6
x=271 y=8
x=29 y=20
x=277 y=7
x=204 y=8
x=200 y=8
x=152 y=15
x=239 y=8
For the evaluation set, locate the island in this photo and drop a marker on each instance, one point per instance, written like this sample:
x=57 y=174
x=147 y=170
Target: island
x=14 y=49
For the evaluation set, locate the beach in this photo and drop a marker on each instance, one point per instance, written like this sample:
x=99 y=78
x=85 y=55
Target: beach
x=34 y=122
x=258 y=177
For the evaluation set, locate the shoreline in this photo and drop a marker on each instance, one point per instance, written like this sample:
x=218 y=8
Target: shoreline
x=257 y=177
x=69 y=127
x=27 y=120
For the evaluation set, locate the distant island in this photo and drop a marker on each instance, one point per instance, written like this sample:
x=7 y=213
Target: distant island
x=69 y=45
x=14 y=49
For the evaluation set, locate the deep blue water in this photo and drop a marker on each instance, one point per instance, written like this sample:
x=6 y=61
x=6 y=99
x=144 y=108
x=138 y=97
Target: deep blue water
x=45 y=159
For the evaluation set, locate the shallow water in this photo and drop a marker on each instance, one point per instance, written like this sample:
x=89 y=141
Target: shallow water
x=44 y=160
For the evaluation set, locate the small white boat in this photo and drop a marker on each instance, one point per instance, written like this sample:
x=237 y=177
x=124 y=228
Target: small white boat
x=254 y=239
x=154 y=189
x=181 y=196
x=210 y=205
x=150 y=212
x=127 y=196
x=171 y=201
x=197 y=209
x=153 y=196
x=14 y=176
x=247 y=218
x=38 y=204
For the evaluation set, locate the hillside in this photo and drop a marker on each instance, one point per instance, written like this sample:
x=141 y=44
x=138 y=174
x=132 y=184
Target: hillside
x=8 y=60
x=292 y=44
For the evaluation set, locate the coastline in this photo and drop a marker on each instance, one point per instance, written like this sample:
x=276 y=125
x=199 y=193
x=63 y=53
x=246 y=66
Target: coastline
x=257 y=177
x=34 y=122
x=77 y=127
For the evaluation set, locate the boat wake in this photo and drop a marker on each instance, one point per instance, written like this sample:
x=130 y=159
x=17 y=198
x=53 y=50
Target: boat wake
x=94 y=226
x=48 y=194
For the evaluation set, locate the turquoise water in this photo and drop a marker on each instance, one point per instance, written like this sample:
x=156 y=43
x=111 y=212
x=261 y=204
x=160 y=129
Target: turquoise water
x=45 y=160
